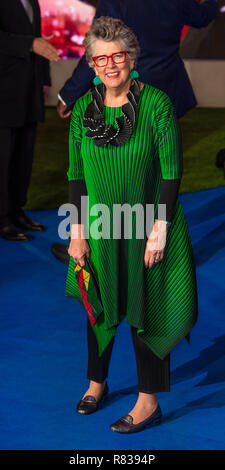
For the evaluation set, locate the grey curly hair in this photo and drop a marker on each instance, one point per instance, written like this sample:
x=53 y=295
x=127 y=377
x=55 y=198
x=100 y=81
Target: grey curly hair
x=110 y=29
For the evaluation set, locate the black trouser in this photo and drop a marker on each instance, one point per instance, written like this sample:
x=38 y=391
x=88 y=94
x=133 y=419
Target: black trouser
x=153 y=373
x=17 y=148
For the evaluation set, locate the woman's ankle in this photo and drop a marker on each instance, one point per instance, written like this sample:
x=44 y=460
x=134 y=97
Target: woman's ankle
x=147 y=399
x=97 y=384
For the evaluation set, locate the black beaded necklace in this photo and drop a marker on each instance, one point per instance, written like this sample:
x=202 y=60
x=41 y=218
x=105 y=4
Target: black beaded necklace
x=103 y=133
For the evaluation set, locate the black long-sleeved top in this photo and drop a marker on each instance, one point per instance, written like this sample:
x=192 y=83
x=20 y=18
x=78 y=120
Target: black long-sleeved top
x=168 y=195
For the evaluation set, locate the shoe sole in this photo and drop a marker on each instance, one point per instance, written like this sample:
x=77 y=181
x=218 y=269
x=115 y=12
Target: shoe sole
x=152 y=424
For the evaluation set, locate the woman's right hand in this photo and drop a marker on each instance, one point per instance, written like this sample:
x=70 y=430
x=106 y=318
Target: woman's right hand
x=78 y=247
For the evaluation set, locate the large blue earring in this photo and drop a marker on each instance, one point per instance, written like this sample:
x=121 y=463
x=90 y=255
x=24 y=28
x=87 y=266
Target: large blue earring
x=134 y=74
x=97 y=80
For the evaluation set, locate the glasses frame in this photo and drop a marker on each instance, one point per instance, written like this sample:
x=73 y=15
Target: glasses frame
x=110 y=57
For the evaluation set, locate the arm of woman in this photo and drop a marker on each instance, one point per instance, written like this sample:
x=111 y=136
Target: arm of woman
x=78 y=248
x=169 y=149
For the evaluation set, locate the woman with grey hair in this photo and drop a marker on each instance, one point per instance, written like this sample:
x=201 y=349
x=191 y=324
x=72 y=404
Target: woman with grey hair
x=125 y=150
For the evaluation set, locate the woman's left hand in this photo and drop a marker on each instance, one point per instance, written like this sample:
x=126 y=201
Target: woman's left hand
x=155 y=245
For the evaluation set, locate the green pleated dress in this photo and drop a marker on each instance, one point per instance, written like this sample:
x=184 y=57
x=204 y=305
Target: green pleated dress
x=160 y=302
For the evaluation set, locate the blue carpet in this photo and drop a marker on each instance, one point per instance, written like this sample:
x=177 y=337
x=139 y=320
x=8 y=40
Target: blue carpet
x=44 y=351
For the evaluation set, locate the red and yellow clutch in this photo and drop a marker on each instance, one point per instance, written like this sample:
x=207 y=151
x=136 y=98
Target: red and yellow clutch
x=85 y=279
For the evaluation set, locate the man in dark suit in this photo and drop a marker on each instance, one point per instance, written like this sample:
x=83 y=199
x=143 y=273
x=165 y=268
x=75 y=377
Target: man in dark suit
x=157 y=25
x=24 y=70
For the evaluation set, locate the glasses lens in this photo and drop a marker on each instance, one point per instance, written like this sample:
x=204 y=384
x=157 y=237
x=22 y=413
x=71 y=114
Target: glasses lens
x=119 y=57
x=101 y=61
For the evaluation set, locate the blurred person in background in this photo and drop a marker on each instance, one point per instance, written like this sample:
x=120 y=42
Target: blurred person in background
x=24 y=70
x=158 y=25
x=207 y=44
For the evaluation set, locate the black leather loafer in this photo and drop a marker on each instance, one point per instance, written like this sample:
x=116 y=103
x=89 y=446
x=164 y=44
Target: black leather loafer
x=24 y=222
x=89 y=404
x=125 y=424
x=14 y=234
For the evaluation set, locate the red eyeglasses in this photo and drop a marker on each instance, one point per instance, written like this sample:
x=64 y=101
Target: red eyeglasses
x=117 y=58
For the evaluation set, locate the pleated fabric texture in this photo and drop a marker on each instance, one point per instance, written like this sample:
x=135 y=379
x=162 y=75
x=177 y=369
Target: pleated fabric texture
x=162 y=301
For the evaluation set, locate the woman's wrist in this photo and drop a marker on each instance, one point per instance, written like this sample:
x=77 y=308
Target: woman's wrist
x=166 y=222
x=77 y=231
x=160 y=226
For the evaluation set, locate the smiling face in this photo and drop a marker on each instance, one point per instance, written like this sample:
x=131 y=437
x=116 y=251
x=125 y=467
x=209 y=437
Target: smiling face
x=112 y=75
